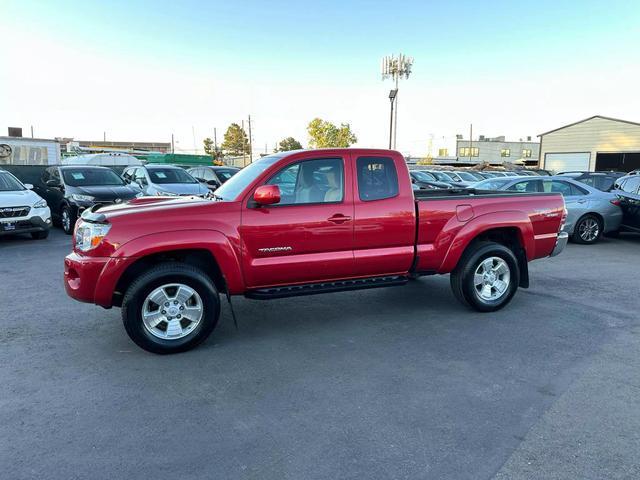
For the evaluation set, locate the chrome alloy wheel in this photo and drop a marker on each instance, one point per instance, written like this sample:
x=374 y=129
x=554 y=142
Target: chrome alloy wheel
x=491 y=279
x=172 y=311
x=589 y=229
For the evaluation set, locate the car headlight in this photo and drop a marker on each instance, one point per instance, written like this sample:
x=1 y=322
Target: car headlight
x=89 y=235
x=82 y=198
x=40 y=204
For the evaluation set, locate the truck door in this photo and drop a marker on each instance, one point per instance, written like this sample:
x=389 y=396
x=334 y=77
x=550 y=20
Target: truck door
x=385 y=218
x=308 y=235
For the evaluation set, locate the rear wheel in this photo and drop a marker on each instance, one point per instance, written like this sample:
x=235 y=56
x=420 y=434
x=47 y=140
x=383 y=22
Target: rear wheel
x=486 y=277
x=171 y=308
x=588 y=230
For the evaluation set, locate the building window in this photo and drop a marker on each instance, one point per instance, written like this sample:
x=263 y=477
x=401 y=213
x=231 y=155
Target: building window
x=443 y=152
x=526 y=153
x=468 y=151
x=505 y=152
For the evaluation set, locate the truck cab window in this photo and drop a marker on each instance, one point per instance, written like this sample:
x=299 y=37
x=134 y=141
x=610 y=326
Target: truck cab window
x=377 y=178
x=311 y=181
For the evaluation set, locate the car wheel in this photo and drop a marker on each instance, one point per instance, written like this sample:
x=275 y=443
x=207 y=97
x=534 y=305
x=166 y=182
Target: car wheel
x=588 y=230
x=486 y=277
x=67 y=219
x=171 y=308
x=40 y=235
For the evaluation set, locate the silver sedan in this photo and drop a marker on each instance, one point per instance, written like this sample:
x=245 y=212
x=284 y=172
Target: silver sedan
x=591 y=211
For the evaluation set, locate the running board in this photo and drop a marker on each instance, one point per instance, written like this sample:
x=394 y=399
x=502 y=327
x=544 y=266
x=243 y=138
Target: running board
x=326 y=287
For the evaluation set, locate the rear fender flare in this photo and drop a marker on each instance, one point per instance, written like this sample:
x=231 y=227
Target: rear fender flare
x=483 y=223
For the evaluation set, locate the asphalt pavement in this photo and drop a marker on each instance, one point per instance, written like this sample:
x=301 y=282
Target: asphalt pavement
x=395 y=383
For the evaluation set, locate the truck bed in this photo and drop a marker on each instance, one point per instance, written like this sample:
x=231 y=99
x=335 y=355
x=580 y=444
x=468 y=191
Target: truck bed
x=448 y=219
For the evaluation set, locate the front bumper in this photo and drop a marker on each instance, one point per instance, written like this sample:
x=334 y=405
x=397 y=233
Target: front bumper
x=81 y=275
x=561 y=242
x=38 y=221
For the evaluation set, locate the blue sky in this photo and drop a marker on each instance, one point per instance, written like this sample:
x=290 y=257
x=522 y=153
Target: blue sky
x=142 y=70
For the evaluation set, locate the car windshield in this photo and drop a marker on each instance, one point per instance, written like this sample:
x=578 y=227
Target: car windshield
x=236 y=184
x=425 y=177
x=9 y=183
x=84 y=177
x=170 y=175
x=443 y=177
x=467 y=176
x=492 y=183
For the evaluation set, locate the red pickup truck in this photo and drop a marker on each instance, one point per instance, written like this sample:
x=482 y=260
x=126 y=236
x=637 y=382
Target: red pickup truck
x=300 y=223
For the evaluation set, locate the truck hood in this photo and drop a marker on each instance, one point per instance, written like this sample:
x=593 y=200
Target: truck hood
x=156 y=206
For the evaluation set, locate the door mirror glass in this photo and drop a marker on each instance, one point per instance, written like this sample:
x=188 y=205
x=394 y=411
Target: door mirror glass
x=267 y=195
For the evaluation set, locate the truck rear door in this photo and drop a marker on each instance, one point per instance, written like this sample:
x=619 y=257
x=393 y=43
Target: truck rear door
x=385 y=219
x=308 y=235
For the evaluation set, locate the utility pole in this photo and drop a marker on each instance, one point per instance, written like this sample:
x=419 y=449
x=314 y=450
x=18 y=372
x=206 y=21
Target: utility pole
x=395 y=68
x=215 y=139
x=250 y=142
x=173 y=149
x=104 y=136
x=31 y=131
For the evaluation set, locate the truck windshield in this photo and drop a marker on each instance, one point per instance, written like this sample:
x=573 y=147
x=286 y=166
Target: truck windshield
x=84 y=177
x=241 y=180
x=8 y=183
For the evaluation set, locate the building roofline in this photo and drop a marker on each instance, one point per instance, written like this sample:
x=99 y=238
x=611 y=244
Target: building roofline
x=590 y=118
x=28 y=139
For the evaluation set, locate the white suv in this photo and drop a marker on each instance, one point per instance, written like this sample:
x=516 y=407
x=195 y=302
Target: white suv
x=22 y=210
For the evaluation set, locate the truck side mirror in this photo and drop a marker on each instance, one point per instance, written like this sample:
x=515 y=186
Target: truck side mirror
x=267 y=195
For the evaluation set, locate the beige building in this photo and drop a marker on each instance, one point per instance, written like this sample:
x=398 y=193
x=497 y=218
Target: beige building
x=595 y=143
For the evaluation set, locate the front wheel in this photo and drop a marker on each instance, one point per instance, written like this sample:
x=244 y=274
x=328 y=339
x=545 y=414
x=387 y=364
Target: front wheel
x=171 y=308
x=486 y=277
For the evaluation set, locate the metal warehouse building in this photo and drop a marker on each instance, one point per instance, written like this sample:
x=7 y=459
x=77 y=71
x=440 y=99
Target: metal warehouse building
x=595 y=143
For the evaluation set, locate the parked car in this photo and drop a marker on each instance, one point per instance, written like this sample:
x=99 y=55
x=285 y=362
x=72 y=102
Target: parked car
x=601 y=180
x=461 y=179
x=495 y=183
x=71 y=189
x=627 y=190
x=299 y=223
x=213 y=176
x=426 y=181
x=163 y=180
x=21 y=209
x=590 y=211
x=440 y=176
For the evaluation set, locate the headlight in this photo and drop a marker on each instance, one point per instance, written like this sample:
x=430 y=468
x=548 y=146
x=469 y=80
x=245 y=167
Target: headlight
x=89 y=235
x=40 y=204
x=82 y=198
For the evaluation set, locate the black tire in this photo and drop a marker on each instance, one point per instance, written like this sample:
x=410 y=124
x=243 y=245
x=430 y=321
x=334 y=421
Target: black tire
x=40 y=235
x=583 y=231
x=68 y=225
x=462 y=278
x=170 y=273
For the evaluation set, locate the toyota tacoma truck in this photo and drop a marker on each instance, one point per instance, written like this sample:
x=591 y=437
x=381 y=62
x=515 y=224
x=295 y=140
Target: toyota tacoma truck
x=299 y=223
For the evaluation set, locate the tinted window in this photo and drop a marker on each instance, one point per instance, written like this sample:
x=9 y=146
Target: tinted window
x=631 y=185
x=377 y=178
x=526 y=186
x=441 y=176
x=8 y=183
x=424 y=176
x=170 y=175
x=466 y=176
x=84 y=177
x=310 y=181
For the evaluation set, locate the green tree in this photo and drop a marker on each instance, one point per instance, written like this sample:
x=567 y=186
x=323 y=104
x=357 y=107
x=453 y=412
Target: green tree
x=236 y=141
x=323 y=134
x=210 y=149
x=287 y=144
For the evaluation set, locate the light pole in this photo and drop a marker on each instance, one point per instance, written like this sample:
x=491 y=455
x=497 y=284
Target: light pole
x=392 y=98
x=395 y=68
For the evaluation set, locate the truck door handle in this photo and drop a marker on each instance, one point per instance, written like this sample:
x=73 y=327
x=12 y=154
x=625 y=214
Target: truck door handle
x=339 y=218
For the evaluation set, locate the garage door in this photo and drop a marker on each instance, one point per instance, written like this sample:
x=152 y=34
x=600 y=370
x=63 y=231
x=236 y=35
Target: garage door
x=559 y=162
